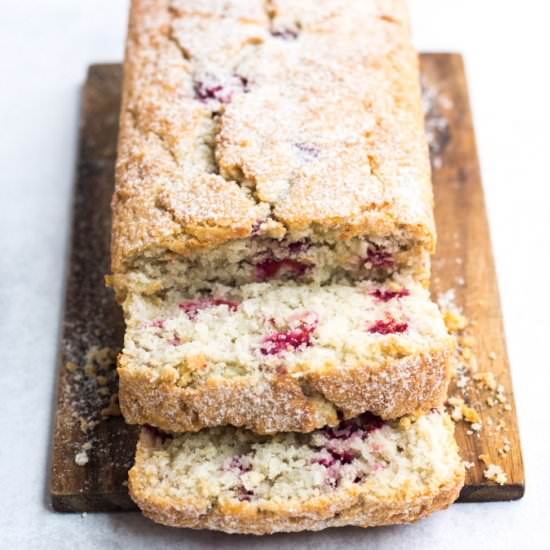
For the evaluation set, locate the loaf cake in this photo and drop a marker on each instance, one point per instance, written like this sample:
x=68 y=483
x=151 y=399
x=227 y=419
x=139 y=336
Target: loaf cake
x=282 y=356
x=271 y=241
x=364 y=472
x=269 y=140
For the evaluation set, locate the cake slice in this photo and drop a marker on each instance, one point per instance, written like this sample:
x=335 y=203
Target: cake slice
x=365 y=472
x=282 y=357
x=234 y=164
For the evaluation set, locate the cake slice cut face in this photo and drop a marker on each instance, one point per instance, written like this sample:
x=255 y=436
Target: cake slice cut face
x=364 y=472
x=270 y=140
x=282 y=356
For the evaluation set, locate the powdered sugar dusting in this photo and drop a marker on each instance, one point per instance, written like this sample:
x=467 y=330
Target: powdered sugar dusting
x=226 y=109
x=436 y=105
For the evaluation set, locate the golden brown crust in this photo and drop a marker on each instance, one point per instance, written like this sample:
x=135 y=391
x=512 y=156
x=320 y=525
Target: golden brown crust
x=359 y=506
x=171 y=196
x=358 y=510
x=283 y=403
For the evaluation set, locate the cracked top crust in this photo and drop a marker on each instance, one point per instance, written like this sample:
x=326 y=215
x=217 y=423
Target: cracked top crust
x=273 y=118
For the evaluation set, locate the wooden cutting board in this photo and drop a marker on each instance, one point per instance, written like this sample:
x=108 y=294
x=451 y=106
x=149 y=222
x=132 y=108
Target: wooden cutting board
x=93 y=450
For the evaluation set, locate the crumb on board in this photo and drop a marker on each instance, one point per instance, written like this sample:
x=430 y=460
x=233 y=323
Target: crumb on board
x=92 y=391
x=486 y=380
x=454 y=320
x=476 y=393
x=495 y=473
x=70 y=366
x=81 y=458
x=435 y=104
x=506 y=447
x=470 y=415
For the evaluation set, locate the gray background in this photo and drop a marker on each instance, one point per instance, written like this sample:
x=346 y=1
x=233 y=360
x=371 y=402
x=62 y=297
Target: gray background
x=45 y=47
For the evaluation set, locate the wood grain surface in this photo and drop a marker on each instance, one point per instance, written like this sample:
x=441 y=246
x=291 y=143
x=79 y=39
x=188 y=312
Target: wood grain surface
x=464 y=262
x=104 y=445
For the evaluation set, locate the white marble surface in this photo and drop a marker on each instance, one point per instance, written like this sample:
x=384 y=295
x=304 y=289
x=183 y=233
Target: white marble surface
x=45 y=48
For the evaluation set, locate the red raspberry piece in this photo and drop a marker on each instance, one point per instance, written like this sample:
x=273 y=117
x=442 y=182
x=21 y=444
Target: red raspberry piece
x=387 y=295
x=335 y=458
x=205 y=92
x=283 y=341
x=292 y=338
x=244 y=495
x=363 y=425
x=237 y=463
x=379 y=257
x=391 y=326
x=343 y=457
x=214 y=90
x=327 y=462
x=298 y=247
x=268 y=269
x=192 y=307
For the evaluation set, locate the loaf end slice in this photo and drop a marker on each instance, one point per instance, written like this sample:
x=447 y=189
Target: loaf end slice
x=364 y=472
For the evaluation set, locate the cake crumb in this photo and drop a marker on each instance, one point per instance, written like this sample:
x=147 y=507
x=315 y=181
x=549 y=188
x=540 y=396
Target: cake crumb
x=81 y=458
x=446 y=300
x=506 y=447
x=104 y=357
x=470 y=415
x=474 y=394
x=454 y=321
x=87 y=425
x=486 y=380
x=495 y=473
x=70 y=366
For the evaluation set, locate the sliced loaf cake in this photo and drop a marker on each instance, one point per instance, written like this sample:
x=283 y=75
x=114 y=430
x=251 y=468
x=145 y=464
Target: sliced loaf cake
x=282 y=357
